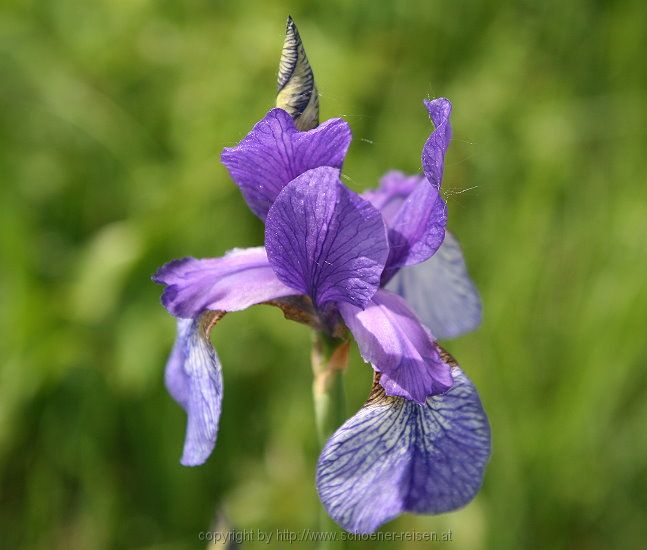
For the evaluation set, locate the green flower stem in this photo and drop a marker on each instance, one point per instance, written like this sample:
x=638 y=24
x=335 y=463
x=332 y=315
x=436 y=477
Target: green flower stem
x=329 y=361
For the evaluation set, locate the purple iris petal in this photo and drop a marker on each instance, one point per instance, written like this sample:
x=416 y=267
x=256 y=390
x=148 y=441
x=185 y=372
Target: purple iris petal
x=194 y=379
x=325 y=241
x=441 y=292
x=241 y=278
x=433 y=152
x=391 y=338
x=415 y=215
x=275 y=152
x=394 y=188
x=175 y=379
x=396 y=456
x=413 y=210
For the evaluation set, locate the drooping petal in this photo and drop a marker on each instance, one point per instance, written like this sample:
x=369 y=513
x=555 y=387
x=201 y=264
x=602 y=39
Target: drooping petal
x=275 y=152
x=241 y=278
x=393 y=340
x=433 y=152
x=325 y=241
x=193 y=377
x=396 y=456
x=441 y=292
x=175 y=379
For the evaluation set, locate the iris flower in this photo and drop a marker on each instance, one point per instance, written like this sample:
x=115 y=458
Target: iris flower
x=340 y=262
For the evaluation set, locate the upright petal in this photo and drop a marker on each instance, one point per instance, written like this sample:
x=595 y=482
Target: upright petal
x=391 y=338
x=275 y=152
x=395 y=186
x=194 y=379
x=433 y=152
x=396 y=456
x=241 y=278
x=418 y=228
x=415 y=216
x=441 y=292
x=325 y=241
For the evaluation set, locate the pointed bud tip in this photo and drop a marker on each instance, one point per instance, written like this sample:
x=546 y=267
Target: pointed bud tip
x=296 y=90
x=291 y=31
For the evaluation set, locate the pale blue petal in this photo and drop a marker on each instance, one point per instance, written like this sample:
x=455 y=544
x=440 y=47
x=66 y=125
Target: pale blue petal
x=194 y=379
x=396 y=456
x=441 y=292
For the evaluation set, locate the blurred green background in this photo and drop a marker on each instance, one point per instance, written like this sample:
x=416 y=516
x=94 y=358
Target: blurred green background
x=112 y=117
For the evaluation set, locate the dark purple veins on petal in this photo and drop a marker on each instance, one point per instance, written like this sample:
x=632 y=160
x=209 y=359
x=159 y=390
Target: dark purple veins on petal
x=396 y=456
x=275 y=152
x=325 y=241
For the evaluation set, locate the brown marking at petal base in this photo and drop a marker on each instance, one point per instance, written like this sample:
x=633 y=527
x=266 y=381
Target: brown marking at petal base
x=378 y=395
x=340 y=331
x=209 y=319
x=299 y=309
x=446 y=356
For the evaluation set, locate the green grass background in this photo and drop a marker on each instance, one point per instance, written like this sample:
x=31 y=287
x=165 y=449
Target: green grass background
x=112 y=117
